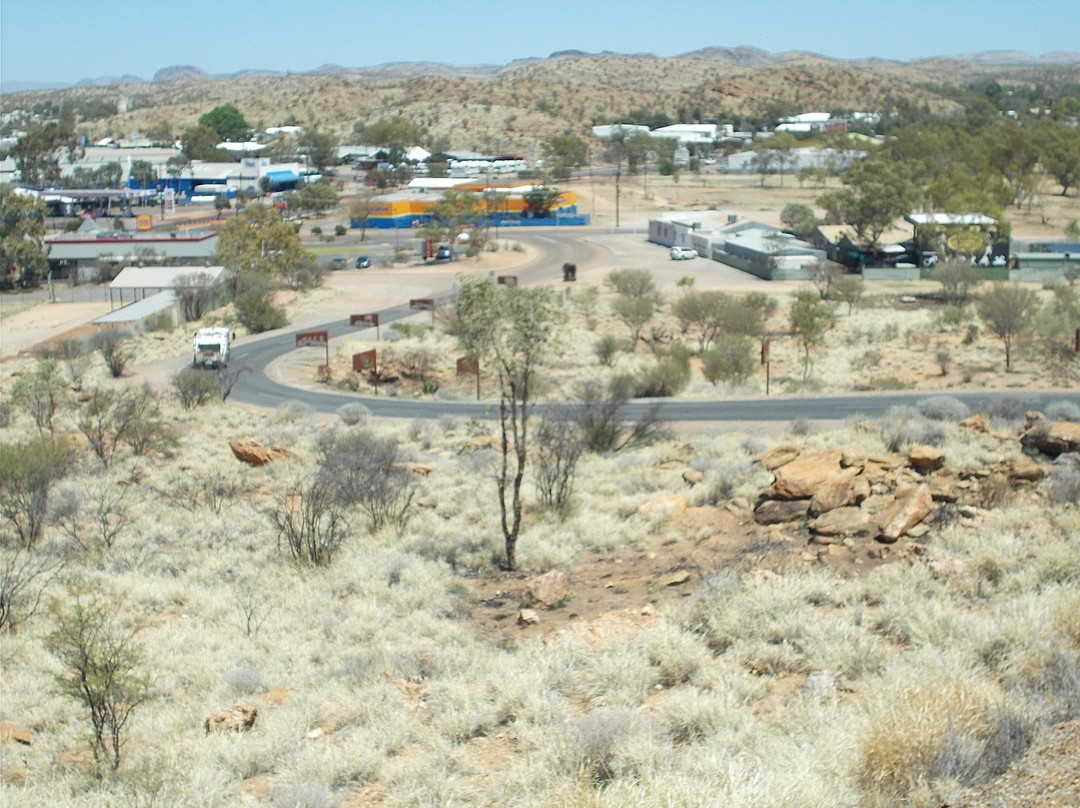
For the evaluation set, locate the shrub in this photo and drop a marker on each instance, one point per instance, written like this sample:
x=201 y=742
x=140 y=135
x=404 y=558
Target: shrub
x=131 y=416
x=902 y=428
x=194 y=387
x=1063 y=411
x=100 y=662
x=731 y=359
x=254 y=305
x=636 y=283
x=25 y=573
x=365 y=471
x=606 y=348
x=1009 y=408
x=340 y=230
x=28 y=471
x=667 y=376
x=159 y=321
x=40 y=392
x=598 y=416
x=311 y=520
x=942 y=408
x=353 y=413
x=558 y=445
x=116 y=350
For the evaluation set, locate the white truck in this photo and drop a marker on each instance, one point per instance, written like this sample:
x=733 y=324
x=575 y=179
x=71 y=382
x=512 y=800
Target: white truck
x=210 y=348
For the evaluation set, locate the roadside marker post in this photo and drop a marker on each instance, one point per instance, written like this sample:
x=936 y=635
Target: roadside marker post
x=366 y=321
x=367 y=360
x=424 y=304
x=466 y=366
x=313 y=339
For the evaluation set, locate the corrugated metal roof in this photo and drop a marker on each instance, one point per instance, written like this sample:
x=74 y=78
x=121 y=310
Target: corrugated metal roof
x=160 y=277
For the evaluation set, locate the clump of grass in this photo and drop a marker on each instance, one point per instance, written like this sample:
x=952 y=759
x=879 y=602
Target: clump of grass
x=942 y=408
x=1063 y=411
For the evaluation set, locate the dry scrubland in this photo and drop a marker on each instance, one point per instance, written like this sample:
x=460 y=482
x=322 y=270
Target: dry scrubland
x=768 y=674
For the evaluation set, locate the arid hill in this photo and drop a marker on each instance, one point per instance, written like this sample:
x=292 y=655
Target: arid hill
x=523 y=104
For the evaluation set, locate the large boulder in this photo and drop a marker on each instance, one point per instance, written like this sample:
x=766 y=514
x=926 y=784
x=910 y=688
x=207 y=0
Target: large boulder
x=775 y=511
x=250 y=451
x=550 y=588
x=841 y=522
x=674 y=504
x=925 y=459
x=238 y=718
x=804 y=476
x=909 y=506
x=846 y=487
x=778 y=456
x=1052 y=437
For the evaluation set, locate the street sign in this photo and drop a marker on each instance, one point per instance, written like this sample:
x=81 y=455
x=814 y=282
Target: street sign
x=422 y=304
x=365 y=360
x=507 y=280
x=465 y=366
x=312 y=339
x=366 y=320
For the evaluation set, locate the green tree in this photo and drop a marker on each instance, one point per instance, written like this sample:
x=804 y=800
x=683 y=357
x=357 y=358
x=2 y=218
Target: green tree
x=316 y=196
x=799 y=218
x=143 y=172
x=37 y=153
x=565 y=152
x=28 y=471
x=1061 y=157
x=201 y=143
x=810 y=319
x=1009 y=311
x=957 y=279
x=22 y=234
x=261 y=242
x=848 y=289
x=877 y=193
x=783 y=144
x=764 y=160
x=227 y=122
x=320 y=147
x=539 y=200
x=510 y=329
x=101 y=664
x=455 y=210
x=634 y=313
x=390 y=132
x=40 y=392
x=732 y=359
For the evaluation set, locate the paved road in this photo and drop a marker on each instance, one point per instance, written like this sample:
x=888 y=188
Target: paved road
x=555 y=247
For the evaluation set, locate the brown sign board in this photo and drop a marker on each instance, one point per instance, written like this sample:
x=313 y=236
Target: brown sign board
x=312 y=339
x=507 y=280
x=422 y=304
x=466 y=366
x=368 y=320
x=365 y=360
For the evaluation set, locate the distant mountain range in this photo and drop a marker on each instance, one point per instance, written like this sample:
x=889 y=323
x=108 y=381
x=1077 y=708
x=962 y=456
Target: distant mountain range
x=743 y=56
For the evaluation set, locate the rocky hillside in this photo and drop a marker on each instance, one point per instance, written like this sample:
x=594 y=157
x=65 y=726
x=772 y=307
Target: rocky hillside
x=521 y=105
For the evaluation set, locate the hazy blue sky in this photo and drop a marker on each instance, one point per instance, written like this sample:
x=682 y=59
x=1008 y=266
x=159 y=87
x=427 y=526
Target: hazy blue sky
x=65 y=40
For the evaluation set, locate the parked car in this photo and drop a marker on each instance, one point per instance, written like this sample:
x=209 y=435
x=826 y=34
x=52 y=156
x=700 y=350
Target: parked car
x=338 y=263
x=362 y=262
x=682 y=253
x=443 y=253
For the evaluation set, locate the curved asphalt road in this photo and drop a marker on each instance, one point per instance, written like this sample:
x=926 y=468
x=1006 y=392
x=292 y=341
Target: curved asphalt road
x=556 y=247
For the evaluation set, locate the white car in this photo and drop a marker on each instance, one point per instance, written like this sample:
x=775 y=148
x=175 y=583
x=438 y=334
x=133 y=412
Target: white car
x=682 y=253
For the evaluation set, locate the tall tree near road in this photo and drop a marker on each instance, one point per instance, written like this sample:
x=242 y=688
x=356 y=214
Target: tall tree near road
x=810 y=319
x=261 y=243
x=1008 y=310
x=453 y=212
x=509 y=329
x=320 y=147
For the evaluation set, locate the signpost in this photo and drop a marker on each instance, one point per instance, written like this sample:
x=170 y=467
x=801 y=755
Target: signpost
x=423 y=304
x=509 y=281
x=367 y=360
x=366 y=321
x=466 y=366
x=314 y=339
x=765 y=343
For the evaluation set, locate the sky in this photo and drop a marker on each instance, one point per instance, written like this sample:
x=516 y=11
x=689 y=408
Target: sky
x=69 y=40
